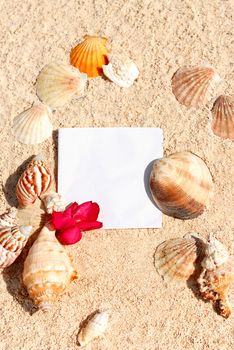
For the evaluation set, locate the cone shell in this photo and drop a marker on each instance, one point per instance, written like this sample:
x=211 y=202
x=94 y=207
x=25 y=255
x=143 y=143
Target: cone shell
x=35 y=181
x=122 y=71
x=90 y=55
x=57 y=83
x=47 y=270
x=181 y=185
x=177 y=258
x=33 y=125
x=8 y=219
x=53 y=201
x=223 y=117
x=12 y=242
x=193 y=86
x=95 y=327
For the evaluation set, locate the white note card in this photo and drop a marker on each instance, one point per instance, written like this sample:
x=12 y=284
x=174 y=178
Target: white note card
x=111 y=166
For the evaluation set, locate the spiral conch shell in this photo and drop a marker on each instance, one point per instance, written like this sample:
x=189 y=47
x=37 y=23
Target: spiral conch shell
x=12 y=241
x=181 y=185
x=58 y=83
x=35 y=181
x=121 y=70
x=47 y=270
x=223 y=117
x=90 y=55
x=193 y=86
x=95 y=327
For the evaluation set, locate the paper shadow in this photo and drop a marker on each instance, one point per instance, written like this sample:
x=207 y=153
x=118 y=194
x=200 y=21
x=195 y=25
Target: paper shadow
x=147 y=173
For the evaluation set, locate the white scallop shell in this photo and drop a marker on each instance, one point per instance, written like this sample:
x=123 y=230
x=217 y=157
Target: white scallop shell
x=57 y=83
x=121 y=71
x=33 y=125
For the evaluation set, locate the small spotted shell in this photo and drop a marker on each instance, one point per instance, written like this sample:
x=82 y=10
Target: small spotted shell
x=223 y=117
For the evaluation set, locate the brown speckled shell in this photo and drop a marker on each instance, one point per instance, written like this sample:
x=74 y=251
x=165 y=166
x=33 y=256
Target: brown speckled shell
x=223 y=117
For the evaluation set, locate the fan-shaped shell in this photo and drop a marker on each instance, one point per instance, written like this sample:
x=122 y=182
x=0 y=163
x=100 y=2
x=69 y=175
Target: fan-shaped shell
x=53 y=201
x=177 y=258
x=181 y=185
x=33 y=215
x=193 y=86
x=47 y=270
x=33 y=125
x=95 y=327
x=35 y=181
x=90 y=55
x=57 y=83
x=122 y=71
x=12 y=242
x=8 y=219
x=223 y=117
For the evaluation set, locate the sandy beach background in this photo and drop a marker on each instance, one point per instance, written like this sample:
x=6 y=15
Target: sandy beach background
x=116 y=267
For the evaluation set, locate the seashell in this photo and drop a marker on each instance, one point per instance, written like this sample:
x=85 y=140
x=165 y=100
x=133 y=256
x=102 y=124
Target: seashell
x=53 y=201
x=35 y=181
x=223 y=117
x=216 y=254
x=12 y=241
x=33 y=215
x=95 y=327
x=8 y=219
x=33 y=125
x=122 y=71
x=47 y=270
x=177 y=258
x=57 y=83
x=193 y=86
x=90 y=55
x=181 y=185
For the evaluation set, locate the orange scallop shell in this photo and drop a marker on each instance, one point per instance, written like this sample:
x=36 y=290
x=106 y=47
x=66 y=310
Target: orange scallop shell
x=90 y=55
x=223 y=117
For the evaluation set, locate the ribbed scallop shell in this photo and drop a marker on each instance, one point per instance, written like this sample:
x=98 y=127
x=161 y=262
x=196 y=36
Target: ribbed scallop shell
x=47 y=270
x=33 y=125
x=193 y=86
x=53 y=201
x=176 y=258
x=33 y=215
x=8 y=219
x=58 y=83
x=90 y=55
x=181 y=185
x=122 y=71
x=95 y=327
x=35 y=181
x=12 y=242
x=223 y=117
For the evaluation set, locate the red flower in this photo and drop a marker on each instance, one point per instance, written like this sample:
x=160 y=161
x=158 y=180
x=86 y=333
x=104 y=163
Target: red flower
x=75 y=219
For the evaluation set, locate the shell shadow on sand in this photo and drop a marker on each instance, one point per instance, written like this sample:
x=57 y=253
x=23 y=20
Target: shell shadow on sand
x=147 y=173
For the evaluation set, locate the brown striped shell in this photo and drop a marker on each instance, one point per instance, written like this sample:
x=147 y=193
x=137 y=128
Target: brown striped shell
x=223 y=117
x=35 y=181
x=177 y=258
x=181 y=185
x=12 y=241
x=193 y=86
x=8 y=219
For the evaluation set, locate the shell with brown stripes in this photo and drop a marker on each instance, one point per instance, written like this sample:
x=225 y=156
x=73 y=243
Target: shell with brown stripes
x=223 y=117
x=35 y=181
x=181 y=185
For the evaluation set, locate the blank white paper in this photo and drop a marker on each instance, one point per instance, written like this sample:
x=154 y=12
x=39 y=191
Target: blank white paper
x=111 y=166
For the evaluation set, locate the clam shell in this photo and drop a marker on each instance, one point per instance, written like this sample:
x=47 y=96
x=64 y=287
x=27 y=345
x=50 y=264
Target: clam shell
x=8 y=219
x=223 y=117
x=90 y=55
x=57 y=83
x=122 y=71
x=12 y=241
x=193 y=86
x=95 y=327
x=33 y=125
x=177 y=258
x=47 y=270
x=53 y=201
x=181 y=185
x=35 y=181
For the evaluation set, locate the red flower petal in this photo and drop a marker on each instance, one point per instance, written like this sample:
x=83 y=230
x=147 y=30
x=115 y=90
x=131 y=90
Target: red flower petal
x=61 y=220
x=71 y=210
x=87 y=211
x=87 y=226
x=69 y=235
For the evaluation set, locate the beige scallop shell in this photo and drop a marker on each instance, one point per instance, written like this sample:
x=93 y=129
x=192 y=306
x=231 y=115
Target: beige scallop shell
x=35 y=181
x=177 y=258
x=12 y=241
x=53 y=201
x=33 y=126
x=58 y=83
x=33 y=215
x=223 y=117
x=95 y=327
x=193 y=86
x=121 y=70
x=181 y=185
x=8 y=219
x=47 y=270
